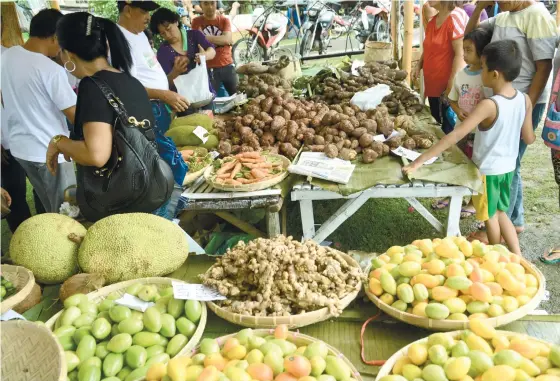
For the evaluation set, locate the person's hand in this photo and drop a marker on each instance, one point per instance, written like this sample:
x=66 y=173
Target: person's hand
x=176 y=101
x=180 y=65
x=201 y=52
x=462 y=115
x=52 y=157
x=6 y=196
x=408 y=169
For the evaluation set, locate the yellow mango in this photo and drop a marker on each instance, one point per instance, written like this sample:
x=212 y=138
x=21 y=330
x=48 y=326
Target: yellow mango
x=495 y=288
x=454 y=269
x=547 y=377
x=544 y=349
x=543 y=363
x=530 y=291
x=397 y=258
x=496 y=310
x=522 y=376
x=375 y=287
x=377 y=273
x=499 y=372
x=510 y=304
x=492 y=256
x=395 y=250
x=397 y=368
x=515 y=268
x=156 y=372
x=525 y=347
x=479 y=291
x=466 y=248
x=478 y=315
x=531 y=280
x=455 y=305
x=529 y=367
x=176 y=370
x=441 y=293
x=385 y=258
x=554 y=371
x=387 y=298
x=458 y=316
x=409 y=269
x=492 y=267
x=434 y=267
x=425 y=246
x=487 y=276
x=418 y=353
x=468 y=267
x=466 y=298
x=507 y=281
x=521 y=290
x=427 y=280
x=482 y=328
x=477 y=343
x=457 y=368
x=446 y=249
x=413 y=257
x=420 y=309
x=500 y=342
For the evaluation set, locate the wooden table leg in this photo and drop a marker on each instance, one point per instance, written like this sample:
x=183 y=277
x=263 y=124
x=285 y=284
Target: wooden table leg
x=247 y=228
x=425 y=213
x=272 y=224
x=454 y=216
x=307 y=219
x=284 y=219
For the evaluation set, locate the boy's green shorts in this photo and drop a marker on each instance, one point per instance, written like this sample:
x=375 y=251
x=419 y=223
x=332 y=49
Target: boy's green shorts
x=495 y=196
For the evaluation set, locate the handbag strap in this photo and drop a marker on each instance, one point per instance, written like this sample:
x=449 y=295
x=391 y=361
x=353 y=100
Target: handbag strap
x=555 y=89
x=118 y=106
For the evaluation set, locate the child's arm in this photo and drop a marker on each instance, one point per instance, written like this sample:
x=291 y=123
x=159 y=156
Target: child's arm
x=527 y=133
x=486 y=110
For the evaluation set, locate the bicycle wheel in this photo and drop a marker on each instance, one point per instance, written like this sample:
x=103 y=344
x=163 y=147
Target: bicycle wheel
x=243 y=54
x=306 y=43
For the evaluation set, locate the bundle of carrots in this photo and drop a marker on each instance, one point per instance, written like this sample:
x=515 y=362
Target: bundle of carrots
x=247 y=168
x=196 y=160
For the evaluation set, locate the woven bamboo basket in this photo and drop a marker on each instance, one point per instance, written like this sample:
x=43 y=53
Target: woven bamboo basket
x=292 y=321
x=30 y=352
x=389 y=364
x=191 y=177
x=22 y=279
x=452 y=325
x=209 y=174
x=102 y=293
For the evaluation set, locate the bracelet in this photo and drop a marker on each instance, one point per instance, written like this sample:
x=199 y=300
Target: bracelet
x=56 y=139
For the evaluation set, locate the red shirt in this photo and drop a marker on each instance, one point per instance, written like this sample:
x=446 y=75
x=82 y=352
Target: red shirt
x=216 y=27
x=438 y=51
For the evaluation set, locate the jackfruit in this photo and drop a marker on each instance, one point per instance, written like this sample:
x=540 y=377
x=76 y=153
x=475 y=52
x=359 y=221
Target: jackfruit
x=131 y=246
x=197 y=119
x=183 y=136
x=42 y=245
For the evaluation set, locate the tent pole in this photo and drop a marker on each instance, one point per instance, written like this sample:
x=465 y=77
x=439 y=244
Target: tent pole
x=394 y=19
x=408 y=36
x=11 y=31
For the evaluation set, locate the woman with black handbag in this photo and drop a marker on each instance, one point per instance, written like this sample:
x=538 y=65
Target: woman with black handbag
x=113 y=144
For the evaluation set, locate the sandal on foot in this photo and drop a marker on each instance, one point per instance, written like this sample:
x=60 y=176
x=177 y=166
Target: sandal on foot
x=440 y=204
x=551 y=252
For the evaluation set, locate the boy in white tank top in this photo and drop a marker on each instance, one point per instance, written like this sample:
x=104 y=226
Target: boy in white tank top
x=498 y=123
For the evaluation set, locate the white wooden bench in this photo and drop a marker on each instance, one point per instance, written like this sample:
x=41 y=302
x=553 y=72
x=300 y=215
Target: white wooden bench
x=201 y=197
x=306 y=193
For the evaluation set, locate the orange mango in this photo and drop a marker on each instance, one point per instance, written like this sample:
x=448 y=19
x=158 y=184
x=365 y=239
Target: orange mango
x=476 y=275
x=495 y=288
x=455 y=270
x=479 y=291
x=507 y=281
x=427 y=280
x=375 y=287
x=441 y=293
x=526 y=348
x=492 y=267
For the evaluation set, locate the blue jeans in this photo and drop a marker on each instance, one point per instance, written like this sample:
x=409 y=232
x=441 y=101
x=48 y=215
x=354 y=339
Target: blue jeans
x=516 y=211
x=173 y=206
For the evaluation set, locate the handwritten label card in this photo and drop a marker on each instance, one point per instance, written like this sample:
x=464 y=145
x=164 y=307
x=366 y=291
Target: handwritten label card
x=195 y=292
x=201 y=133
x=411 y=155
x=134 y=303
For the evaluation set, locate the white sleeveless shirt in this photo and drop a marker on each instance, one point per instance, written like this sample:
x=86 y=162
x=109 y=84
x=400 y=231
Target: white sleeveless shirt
x=495 y=148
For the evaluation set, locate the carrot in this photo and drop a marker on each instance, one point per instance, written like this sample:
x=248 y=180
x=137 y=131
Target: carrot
x=258 y=174
x=232 y=182
x=249 y=155
x=235 y=171
x=257 y=165
x=253 y=161
x=226 y=167
x=223 y=176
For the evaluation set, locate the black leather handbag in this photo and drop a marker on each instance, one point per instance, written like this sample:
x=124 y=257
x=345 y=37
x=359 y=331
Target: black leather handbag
x=135 y=179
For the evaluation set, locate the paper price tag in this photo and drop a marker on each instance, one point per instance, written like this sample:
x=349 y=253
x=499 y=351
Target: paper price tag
x=201 y=133
x=411 y=155
x=11 y=315
x=198 y=292
x=134 y=303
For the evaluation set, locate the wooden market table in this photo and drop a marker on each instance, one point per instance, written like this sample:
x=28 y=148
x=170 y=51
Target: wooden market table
x=306 y=193
x=201 y=197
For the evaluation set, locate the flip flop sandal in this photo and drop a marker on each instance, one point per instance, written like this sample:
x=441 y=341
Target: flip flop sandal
x=440 y=204
x=465 y=213
x=550 y=261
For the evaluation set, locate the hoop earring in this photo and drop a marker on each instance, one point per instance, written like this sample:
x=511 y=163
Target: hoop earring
x=73 y=66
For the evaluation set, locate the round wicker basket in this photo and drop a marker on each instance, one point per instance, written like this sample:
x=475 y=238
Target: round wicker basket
x=30 y=352
x=389 y=364
x=452 y=325
x=292 y=321
x=22 y=279
x=102 y=293
x=300 y=340
x=208 y=175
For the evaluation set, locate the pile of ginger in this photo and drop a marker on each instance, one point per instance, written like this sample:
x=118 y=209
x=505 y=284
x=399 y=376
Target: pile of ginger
x=281 y=277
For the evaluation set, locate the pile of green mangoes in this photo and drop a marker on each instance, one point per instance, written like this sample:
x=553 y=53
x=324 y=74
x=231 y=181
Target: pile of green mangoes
x=112 y=341
x=7 y=289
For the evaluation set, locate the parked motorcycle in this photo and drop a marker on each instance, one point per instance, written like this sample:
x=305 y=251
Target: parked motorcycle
x=373 y=24
x=319 y=28
x=263 y=42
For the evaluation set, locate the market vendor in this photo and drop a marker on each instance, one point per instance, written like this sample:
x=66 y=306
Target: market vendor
x=134 y=17
x=217 y=29
x=182 y=48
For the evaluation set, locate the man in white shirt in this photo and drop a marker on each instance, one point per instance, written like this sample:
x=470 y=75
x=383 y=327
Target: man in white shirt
x=134 y=17
x=37 y=101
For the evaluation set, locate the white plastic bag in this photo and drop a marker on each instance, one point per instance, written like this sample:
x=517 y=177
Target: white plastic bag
x=371 y=98
x=194 y=85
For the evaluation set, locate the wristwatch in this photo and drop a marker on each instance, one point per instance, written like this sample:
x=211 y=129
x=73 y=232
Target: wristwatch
x=56 y=139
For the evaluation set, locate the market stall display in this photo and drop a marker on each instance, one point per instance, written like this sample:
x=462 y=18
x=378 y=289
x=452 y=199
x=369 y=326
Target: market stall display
x=30 y=352
x=197 y=159
x=248 y=171
x=269 y=282
x=443 y=284
x=193 y=131
x=261 y=355
x=102 y=336
x=17 y=283
x=481 y=353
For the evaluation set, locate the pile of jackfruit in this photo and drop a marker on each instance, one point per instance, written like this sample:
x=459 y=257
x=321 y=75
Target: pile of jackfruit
x=182 y=132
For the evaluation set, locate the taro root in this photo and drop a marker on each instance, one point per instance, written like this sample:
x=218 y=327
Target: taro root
x=366 y=140
x=331 y=151
x=276 y=109
x=267 y=139
x=377 y=147
x=266 y=105
x=318 y=140
x=369 y=155
x=346 y=126
x=370 y=125
x=359 y=132
x=347 y=154
x=395 y=142
x=409 y=143
x=278 y=122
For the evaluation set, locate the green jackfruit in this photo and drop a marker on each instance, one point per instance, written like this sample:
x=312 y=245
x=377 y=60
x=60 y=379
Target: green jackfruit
x=42 y=245
x=131 y=246
x=183 y=136
x=202 y=120
x=211 y=143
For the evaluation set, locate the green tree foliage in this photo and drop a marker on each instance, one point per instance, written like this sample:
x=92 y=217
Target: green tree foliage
x=108 y=8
